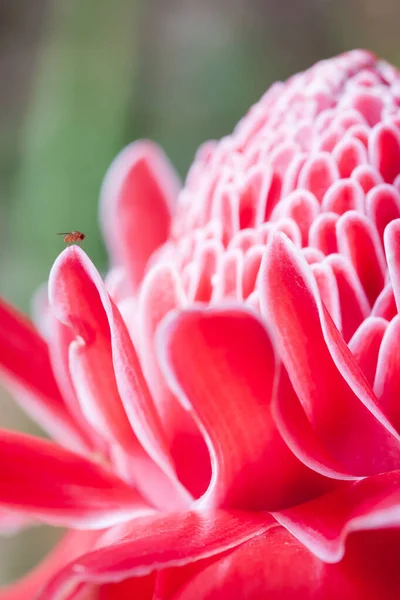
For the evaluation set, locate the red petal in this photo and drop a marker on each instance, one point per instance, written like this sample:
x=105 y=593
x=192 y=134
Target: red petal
x=383 y=206
x=367 y=176
x=359 y=241
x=25 y=365
x=303 y=208
x=336 y=398
x=277 y=567
x=318 y=174
x=138 y=196
x=162 y=292
x=342 y=196
x=385 y=305
x=140 y=588
x=323 y=524
x=323 y=233
x=44 y=481
x=149 y=544
x=108 y=376
x=392 y=248
x=387 y=380
x=220 y=364
x=349 y=154
x=354 y=305
x=384 y=149
x=365 y=345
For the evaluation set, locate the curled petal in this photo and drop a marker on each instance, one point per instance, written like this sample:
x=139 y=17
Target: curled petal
x=335 y=396
x=221 y=365
x=162 y=292
x=108 y=373
x=138 y=196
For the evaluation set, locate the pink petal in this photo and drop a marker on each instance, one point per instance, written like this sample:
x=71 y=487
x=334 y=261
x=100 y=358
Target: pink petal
x=354 y=305
x=162 y=292
x=149 y=544
x=335 y=397
x=221 y=365
x=359 y=241
x=387 y=380
x=383 y=206
x=323 y=524
x=25 y=366
x=365 y=345
x=392 y=249
x=328 y=289
x=303 y=208
x=322 y=233
x=108 y=376
x=349 y=154
x=384 y=149
x=385 y=305
x=367 y=176
x=138 y=196
x=342 y=196
x=71 y=546
x=318 y=174
x=46 y=482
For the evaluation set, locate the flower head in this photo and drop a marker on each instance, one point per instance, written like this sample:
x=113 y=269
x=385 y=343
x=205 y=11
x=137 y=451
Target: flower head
x=225 y=402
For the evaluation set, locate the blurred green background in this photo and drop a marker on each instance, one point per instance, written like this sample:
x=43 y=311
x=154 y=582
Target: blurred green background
x=81 y=78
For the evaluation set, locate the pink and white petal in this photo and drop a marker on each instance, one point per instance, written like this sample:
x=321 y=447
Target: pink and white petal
x=221 y=365
x=323 y=524
x=359 y=241
x=60 y=340
x=302 y=439
x=138 y=197
x=385 y=305
x=365 y=345
x=26 y=369
x=108 y=375
x=334 y=394
x=145 y=545
x=387 y=380
x=70 y=547
x=160 y=293
x=354 y=305
x=322 y=234
x=328 y=289
x=43 y=481
x=276 y=566
x=392 y=250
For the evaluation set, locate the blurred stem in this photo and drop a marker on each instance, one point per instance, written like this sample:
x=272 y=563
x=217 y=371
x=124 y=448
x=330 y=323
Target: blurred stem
x=77 y=121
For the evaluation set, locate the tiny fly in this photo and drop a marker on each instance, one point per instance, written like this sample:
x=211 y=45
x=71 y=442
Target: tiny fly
x=72 y=236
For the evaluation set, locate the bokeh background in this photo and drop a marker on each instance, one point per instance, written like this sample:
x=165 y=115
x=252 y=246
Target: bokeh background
x=81 y=78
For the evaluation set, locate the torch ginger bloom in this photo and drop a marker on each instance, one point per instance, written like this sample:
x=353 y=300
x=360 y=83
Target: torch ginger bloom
x=225 y=404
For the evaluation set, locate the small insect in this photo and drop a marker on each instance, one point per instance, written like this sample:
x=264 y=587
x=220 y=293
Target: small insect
x=72 y=236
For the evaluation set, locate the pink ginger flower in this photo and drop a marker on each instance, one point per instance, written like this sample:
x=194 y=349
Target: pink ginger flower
x=225 y=404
